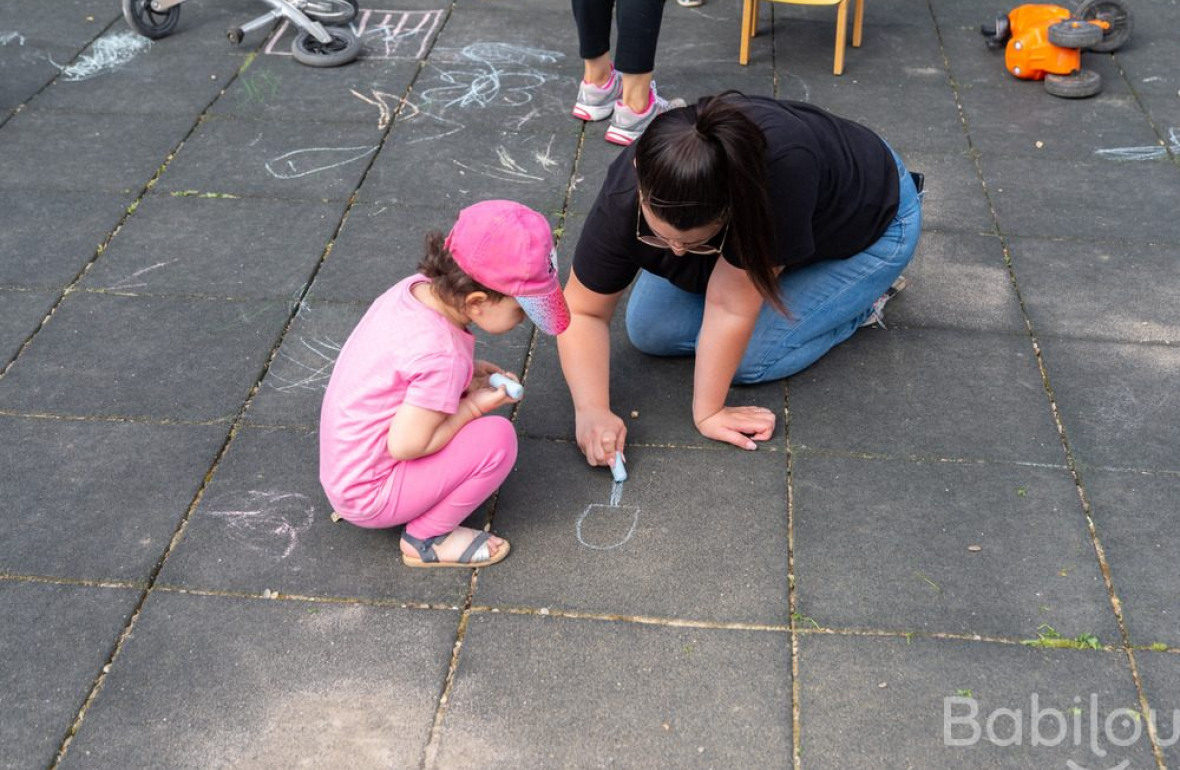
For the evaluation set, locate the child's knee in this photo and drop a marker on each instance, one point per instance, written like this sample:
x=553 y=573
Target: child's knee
x=498 y=435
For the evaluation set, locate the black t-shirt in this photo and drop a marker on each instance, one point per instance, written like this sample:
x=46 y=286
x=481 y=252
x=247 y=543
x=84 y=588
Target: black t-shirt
x=833 y=191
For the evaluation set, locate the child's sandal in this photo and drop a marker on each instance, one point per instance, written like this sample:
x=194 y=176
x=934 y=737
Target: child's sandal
x=475 y=555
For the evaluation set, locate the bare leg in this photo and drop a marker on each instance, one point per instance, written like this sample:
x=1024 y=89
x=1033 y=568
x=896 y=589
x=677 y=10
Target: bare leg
x=597 y=71
x=637 y=91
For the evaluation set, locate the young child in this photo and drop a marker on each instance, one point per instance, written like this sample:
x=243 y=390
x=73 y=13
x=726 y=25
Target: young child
x=403 y=434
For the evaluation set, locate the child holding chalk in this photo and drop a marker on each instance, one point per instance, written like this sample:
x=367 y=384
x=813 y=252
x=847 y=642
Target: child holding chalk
x=404 y=433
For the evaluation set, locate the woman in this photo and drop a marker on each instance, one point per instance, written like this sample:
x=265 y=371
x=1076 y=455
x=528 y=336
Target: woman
x=763 y=232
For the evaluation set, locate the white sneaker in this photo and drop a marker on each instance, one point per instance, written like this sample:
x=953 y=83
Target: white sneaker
x=598 y=102
x=626 y=125
x=877 y=315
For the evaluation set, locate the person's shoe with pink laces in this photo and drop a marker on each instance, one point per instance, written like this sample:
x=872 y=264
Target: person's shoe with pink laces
x=626 y=125
x=598 y=102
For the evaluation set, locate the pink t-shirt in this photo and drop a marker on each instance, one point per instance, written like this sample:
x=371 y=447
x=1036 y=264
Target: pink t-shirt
x=401 y=352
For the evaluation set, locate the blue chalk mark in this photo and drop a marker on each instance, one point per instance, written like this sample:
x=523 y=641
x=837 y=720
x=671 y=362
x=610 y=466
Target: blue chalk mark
x=618 y=470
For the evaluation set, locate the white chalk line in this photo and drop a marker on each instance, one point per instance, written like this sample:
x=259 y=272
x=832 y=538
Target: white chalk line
x=108 y=53
x=291 y=171
x=264 y=520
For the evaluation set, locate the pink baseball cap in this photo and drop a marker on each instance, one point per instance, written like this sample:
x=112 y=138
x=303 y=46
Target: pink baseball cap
x=508 y=247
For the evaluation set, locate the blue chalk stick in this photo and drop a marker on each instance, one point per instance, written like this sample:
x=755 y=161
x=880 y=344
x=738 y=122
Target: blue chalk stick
x=618 y=470
x=514 y=388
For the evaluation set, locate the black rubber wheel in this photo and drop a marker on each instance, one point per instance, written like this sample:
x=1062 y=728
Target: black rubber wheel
x=1113 y=11
x=154 y=24
x=1078 y=85
x=332 y=11
x=1075 y=34
x=344 y=47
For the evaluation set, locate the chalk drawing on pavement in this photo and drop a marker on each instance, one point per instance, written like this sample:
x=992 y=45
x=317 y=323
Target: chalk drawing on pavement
x=312 y=160
x=1150 y=152
x=270 y=522
x=107 y=54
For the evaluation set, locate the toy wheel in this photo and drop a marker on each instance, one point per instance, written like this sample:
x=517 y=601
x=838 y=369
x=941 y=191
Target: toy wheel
x=332 y=11
x=343 y=48
x=149 y=23
x=1077 y=85
x=1112 y=11
x=1075 y=34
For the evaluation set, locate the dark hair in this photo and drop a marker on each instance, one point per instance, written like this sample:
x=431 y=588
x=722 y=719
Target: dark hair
x=700 y=164
x=451 y=282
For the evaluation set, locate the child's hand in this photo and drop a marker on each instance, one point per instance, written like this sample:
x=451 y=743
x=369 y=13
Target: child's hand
x=488 y=399
x=483 y=370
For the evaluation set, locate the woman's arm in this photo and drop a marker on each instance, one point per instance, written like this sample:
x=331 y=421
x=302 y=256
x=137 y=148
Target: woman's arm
x=732 y=305
x=584 y=349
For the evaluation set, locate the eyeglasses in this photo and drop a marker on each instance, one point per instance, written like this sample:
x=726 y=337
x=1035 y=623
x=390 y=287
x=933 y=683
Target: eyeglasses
x=701 y=249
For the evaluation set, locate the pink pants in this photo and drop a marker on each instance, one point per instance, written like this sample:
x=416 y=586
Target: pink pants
x=431 y=495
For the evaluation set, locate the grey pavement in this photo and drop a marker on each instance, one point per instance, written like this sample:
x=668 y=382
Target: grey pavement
x=961 y=548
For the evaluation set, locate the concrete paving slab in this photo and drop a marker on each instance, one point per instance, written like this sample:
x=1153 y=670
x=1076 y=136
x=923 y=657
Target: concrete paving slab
x=186 y=244
x=1134 y=515
x=268 y=683
x=915 y=703
x=69 y=23
x=1063 y=281
x=597 y=155
x=1092 y=199
x=21 y=312
x=48 y=237
x=1029 y=125
x=287 y=160
x=890 y=111
x=47 y=674
x=264 y=525
x=886 y=545
x=532 y=168
x=151 y=80
x=276 y=87
x=1116 y=401
x=48 y=150
x=561 y=692
x=156 y=357
x=27 y=68
x=105 y=511
x=958 y=281
x=1161 y=682
x=978 y=396
x=954 y=199
x=679 y=542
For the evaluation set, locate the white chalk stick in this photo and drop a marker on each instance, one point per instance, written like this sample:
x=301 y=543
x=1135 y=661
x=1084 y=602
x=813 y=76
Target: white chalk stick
x=514 y=388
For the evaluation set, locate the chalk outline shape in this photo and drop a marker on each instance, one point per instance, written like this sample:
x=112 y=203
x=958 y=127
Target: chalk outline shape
x=635 y=510
x=390 y=37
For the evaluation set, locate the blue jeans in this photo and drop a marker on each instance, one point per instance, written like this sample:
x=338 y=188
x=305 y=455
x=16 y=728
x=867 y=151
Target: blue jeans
x=828 y=301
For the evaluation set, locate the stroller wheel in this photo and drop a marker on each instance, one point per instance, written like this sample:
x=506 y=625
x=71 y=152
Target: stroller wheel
x=332 y=11
x=154 y=24
x=343 y=48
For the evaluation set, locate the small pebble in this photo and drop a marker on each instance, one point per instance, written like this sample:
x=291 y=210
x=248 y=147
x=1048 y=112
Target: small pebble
x=1040 y=144
x=882 y=685
x=634 y=413
x=975 y=548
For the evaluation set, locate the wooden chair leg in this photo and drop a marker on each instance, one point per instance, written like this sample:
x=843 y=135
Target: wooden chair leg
x=747 y=12
x=858 y=21
x=841 y=36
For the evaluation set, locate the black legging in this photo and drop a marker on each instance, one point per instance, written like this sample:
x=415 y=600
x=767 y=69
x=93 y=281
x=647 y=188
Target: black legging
x=638 y=22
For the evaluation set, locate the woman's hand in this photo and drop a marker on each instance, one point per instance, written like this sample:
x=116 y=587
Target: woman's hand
x=600 y=434
x=739 y=425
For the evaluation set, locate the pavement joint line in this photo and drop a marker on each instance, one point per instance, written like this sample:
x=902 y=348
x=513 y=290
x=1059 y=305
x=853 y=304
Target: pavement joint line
x=792 y=597
x=646 y=620
x=76 y=582
x=1095 y=541
x=279 y=596
x=811 y=451
x=134 y=419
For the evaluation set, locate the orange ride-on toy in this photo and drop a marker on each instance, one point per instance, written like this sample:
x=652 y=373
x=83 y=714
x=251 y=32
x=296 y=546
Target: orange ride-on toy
x=1045 y=42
